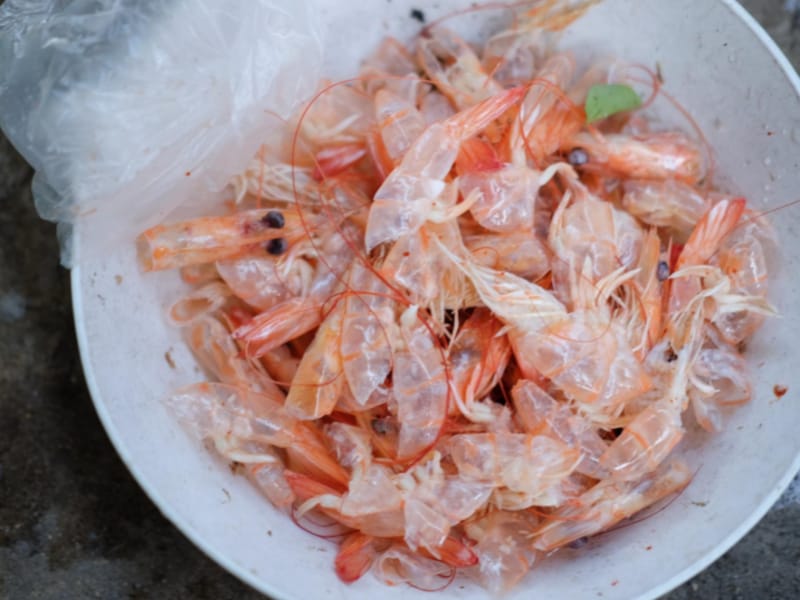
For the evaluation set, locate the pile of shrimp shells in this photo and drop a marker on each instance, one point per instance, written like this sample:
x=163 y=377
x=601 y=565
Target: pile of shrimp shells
x=456 y=322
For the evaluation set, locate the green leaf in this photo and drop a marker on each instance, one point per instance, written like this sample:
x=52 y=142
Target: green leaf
x=610 y=99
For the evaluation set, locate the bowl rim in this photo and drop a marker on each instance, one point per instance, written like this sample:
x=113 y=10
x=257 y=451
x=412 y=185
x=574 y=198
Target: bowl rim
x=265 y=587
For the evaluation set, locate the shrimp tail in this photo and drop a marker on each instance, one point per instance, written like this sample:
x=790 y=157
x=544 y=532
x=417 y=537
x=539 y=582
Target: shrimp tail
x=456 y=553
x=278 y=325
x=472 y=121
x=355 y=557
x=305 y=487
x=710 y=231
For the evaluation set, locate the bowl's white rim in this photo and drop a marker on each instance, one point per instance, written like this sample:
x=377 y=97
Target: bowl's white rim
x=150 y=490
x=260 y=585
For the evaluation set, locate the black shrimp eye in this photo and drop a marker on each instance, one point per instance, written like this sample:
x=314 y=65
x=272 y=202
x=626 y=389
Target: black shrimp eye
x=274 y=219
x=577 y=157
x=277 y=246
x=662 y=272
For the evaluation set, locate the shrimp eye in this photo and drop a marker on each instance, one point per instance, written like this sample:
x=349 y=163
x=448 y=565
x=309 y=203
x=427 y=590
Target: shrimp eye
x=662 y=272
x=577 y=157
x=579 y=543
x=277 y=246
x=274 y=219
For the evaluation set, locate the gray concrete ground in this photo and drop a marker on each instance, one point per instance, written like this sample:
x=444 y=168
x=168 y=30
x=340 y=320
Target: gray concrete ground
x=74 y=524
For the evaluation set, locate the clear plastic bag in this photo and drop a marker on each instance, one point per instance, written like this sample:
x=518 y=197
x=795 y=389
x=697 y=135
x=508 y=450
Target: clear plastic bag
x=129 y=108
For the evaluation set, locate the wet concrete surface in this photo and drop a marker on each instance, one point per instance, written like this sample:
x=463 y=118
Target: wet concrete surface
x=74 y=524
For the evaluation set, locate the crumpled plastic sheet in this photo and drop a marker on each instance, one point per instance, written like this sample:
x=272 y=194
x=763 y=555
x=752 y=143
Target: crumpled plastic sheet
x=128 y=109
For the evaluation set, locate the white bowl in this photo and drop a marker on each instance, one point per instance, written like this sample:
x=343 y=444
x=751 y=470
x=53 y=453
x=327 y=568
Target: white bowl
x=743 y=93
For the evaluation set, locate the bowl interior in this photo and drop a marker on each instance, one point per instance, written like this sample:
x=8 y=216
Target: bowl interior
x=743 y=94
